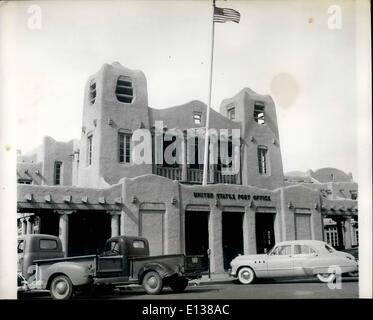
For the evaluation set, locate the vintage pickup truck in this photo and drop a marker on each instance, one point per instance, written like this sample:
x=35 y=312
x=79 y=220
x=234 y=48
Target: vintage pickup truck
x=125 y=260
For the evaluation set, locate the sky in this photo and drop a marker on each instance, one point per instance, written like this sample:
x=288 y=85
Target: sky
x=283 y=48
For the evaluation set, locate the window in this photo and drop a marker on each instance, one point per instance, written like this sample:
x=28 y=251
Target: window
x=24 y=181
x=92 y=92
x=21 y=246
x=112 y=248
x=138 y=244
x=124 y=89
x=48 y=244
x=353 y=194
x=89 y=149
x=224 y=159
x=303 y=249
x=259 y=112
x=332 y=236
x=262 y=159
x=281 y=251
x=197 y=117
x=329 y=248
x=124 y=148
x=57 y=172
x=232 y=113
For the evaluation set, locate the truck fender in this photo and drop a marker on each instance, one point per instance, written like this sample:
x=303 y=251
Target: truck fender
x=78 y=274
x=163 y=271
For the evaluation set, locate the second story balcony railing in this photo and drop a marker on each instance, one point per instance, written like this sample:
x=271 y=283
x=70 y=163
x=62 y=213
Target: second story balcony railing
x=169 y=172
x=194 y=176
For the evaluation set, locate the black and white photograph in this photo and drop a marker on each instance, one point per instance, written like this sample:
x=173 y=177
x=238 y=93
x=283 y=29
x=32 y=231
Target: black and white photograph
x=185 y=150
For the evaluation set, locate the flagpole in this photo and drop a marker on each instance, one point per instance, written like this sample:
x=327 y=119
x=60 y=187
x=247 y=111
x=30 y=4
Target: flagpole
x=206 y=150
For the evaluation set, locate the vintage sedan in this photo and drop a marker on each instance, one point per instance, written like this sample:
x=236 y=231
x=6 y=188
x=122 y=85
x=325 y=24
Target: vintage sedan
x=298 y=258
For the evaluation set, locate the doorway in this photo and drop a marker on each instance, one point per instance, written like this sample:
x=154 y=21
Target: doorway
x=232 y=236
x=49 y=223
x=197 y=234
x=88 y=232
x=265 y=234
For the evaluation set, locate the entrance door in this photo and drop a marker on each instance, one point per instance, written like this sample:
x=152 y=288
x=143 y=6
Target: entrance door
x=88 y=232
x=196 y=234
x=265 y=233
x=49 y=223
x=232 y=236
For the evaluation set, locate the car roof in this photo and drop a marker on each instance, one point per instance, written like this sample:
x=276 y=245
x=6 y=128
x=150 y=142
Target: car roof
x=36 y=235
x=315 y=243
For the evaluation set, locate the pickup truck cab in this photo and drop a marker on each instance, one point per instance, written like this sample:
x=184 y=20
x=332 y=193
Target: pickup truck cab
x=125 y=260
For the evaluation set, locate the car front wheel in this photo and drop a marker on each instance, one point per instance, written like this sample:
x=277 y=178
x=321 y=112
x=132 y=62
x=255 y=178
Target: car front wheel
x=326 y=277
x=246 y=275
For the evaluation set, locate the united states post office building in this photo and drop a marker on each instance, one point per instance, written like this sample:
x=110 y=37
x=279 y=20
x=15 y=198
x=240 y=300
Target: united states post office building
x=89 y=189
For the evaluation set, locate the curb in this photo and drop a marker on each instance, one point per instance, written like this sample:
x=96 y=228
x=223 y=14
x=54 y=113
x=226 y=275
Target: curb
x=212 y=281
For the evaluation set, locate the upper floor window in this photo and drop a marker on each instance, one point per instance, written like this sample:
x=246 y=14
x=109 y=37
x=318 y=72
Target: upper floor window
x=89 y=149
x=197 y=117
x=124 y=89
x=232 y=113
x=124 y=148
x=259 y=115
x=92 y=92
x=57 y=172
x=24 y=181
x=262 y=159
x=353 y=194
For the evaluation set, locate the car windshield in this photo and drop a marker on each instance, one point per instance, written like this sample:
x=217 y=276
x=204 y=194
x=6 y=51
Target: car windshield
x=329 y=248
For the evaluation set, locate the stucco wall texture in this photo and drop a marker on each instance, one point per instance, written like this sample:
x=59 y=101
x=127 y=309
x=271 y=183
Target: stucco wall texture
x=156 y=206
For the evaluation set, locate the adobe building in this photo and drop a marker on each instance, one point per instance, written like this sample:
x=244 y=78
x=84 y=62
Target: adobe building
x=86 y=190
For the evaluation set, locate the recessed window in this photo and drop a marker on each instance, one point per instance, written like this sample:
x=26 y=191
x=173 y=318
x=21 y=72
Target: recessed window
x=89 y=149
x=124 y=89
x=197 y=117
x=57 y=172
x=92 y=92
x=262 y=159
x=353 y=194
x=124 y=148
x=259 y=115
x=232 y=113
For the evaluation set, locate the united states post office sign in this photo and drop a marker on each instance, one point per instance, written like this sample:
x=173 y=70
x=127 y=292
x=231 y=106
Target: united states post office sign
x=231 y=196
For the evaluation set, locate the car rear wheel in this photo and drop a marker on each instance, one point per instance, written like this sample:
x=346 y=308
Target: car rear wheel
x=179 y=285
x=326 y=277
x=152 y=282
x=61 y=288
x=246 y=275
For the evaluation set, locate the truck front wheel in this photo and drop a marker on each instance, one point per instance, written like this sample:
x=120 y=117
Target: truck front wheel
x=152 y=282
x=61 y=288
x=179 y=285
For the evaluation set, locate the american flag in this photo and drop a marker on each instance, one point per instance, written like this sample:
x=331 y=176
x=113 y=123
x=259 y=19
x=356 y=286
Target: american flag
x=226 y=14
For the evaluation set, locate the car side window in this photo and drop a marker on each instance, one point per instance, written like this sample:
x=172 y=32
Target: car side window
x=282 y=251
x=303 y=249
x=112 y=248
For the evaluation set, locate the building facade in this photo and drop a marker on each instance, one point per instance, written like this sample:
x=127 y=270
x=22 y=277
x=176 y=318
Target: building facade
x=137 y=170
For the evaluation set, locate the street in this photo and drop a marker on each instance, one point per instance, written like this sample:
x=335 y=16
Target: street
x=279 y=289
